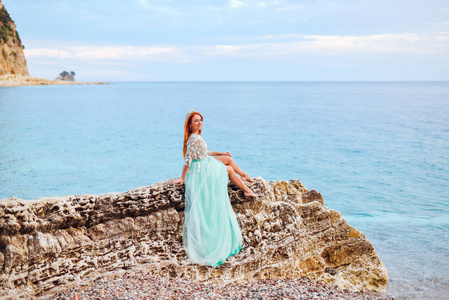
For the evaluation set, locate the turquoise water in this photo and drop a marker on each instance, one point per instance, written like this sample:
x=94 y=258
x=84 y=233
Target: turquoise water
x=377 y=151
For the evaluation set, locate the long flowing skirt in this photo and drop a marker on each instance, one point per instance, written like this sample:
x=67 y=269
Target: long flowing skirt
x=211 y=233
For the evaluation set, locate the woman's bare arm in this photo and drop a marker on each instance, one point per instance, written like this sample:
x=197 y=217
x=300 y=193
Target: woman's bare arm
x=213 y=153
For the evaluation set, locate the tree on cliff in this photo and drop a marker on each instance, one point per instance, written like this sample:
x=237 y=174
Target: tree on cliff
x=12 y=60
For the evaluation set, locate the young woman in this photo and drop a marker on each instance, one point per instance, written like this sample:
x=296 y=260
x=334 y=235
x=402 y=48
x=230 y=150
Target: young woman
x=211 y=233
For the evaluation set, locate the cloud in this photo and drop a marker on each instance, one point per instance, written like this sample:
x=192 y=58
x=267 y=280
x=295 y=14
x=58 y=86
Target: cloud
x=283 y=36
x=206 y=5
x=316 y=45
x=150 y=4
x=280 y=5
x=223 y=50
x=285 y=47
x=236 y=3
x=159 y=6
x=114 y=53
x=293 y=7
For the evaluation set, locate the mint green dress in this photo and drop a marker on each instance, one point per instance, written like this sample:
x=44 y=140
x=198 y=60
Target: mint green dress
x=211 y=233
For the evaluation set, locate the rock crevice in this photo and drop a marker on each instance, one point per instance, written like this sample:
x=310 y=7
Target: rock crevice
x=51 y=243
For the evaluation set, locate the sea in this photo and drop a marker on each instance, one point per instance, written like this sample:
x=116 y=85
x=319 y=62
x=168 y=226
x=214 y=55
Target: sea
x=378 y=152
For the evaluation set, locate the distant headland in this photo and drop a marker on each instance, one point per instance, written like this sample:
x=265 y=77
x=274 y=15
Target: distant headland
x=13 y=65
x=18 y=80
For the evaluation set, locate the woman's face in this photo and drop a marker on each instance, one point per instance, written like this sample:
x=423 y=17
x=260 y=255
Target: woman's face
x=196 y=123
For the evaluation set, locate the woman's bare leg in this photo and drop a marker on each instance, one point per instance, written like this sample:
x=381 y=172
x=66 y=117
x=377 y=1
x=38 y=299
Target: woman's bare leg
x=228 y=161
x=238 y=182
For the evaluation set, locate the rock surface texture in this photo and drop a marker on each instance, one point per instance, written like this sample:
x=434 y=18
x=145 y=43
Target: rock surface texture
x=12 y=58
x=49 y=244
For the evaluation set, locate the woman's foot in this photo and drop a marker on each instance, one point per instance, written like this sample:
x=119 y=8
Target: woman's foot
x=250 y=194
x=247 y=178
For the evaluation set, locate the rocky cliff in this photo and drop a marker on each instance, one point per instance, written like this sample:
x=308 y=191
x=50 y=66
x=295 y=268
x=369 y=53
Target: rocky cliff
x=52 y=243
x=12 y=58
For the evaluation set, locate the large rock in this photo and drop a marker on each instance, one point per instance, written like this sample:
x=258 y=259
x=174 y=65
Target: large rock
x=52 y=243
x=66 y=76
x=12 y=58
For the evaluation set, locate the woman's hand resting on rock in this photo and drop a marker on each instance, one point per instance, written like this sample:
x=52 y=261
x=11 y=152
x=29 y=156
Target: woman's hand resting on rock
x=178 y=181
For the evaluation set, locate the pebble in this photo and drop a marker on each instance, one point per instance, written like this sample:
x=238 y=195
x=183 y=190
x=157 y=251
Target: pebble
x=142 y=286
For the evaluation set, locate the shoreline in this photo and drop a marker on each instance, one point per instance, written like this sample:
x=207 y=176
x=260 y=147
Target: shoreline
x=18 y=80
x=140 y=285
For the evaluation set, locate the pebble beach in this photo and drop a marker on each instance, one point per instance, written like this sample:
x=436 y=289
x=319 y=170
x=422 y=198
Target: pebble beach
x=142 y=286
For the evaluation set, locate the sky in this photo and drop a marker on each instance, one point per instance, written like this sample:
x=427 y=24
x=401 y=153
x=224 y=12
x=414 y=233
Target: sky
x=235 y=40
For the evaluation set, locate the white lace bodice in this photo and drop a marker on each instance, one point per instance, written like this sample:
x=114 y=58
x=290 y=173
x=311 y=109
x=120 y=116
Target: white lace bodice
x=196 y=148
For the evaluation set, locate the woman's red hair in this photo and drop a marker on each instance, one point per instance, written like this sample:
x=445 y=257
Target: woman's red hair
x=188 y=131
